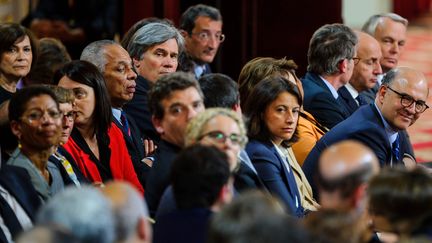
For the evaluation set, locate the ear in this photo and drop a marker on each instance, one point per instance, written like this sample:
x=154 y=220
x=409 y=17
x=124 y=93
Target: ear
x=359 y=195
x=16 y=129
x=381 y=93
x=227 y=192
x=136 y=62
x=184 y=33
x=144 y=230
x=237 y=108
x=343 y=66
x=157 y=123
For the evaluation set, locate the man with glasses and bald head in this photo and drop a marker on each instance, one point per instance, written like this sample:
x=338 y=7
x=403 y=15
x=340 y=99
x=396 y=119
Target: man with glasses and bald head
x=201 y=26
x=401 y=99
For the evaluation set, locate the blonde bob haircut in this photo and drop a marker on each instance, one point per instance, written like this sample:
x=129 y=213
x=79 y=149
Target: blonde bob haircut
x=194 y=129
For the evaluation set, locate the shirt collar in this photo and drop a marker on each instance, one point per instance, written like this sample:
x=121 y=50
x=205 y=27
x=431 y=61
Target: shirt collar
x=116 y=113
x=332 y=89
x=354 y=93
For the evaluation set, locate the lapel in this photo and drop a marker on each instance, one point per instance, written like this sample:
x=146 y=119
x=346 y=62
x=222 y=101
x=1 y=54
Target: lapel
x=127 y=138
x=348 y=100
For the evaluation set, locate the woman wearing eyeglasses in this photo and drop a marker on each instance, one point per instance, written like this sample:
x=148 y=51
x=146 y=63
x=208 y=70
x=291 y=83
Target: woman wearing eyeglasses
x=35 y=120
x=96 y=144
x=273 y=110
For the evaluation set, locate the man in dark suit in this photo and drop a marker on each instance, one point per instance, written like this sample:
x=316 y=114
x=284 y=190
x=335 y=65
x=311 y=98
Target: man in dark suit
x=174 y=100
x=19 y=202
x=389 y=29
x=400 y=102
x=330 y=57
x=365 y=74
x=201 y=26
x=114 y=62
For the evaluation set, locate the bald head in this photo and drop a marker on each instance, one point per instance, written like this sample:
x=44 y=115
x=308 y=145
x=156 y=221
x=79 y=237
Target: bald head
x=366 y=71
x=130 y=211
x=346 y=158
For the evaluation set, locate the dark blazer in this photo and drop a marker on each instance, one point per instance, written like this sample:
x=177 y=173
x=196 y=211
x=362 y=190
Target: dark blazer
x=246 y=179
x=370 y=94
x=275 y=176
x=182 y=226
x=364 y=125
x=138 y=109
x=347 y=99
x=319 y=101
x=16 y=181
x=158 y=179
x=135 y=148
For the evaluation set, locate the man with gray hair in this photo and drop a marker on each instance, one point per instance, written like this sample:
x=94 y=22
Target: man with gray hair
x=330 y=57
x=84 y=212
x=130 y=213
x=115 y=64
x=154 y=50
x=389 y=29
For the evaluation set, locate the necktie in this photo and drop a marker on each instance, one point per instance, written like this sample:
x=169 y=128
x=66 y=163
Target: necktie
x=361 y=100
x=396 y=150
x=9 y=217
x=125 y=123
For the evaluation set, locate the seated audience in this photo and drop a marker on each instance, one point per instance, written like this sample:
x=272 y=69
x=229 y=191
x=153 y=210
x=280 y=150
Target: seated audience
x=35 y=120
x=14 y=40
x=52 y=55
x=256 y=70
x=174 y=100
x=400 y=102
x=399 y=201
x=84 y=212
x=115 y=65
x=130 y=213
x=154 y=49
x=273 y=109
x=96 y=144
x=202 y=184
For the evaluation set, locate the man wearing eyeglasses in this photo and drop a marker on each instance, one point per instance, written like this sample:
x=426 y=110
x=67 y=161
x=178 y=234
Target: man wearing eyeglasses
x=365 y=74
x=201 y=26
x=400 y=101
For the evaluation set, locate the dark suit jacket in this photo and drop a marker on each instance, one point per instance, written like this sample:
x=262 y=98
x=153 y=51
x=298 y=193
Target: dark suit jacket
x=319 y=101
x=370 y=94
x=183 y=226
x=246 y=179
x=138 y=109
x=17 y=182
x=158 y=179
x=364 y=125
x=347 y=99
x=274 y=174
x=135 y=148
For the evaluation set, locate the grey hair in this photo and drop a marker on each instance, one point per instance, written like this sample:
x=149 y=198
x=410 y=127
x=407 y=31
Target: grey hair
x=372 y=23
x=129 y=213
x=84 y=211
x=153 y=34
x=95 y=53
x=329 y=45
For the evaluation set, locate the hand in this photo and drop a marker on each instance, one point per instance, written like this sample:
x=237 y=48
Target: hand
x=149 y=147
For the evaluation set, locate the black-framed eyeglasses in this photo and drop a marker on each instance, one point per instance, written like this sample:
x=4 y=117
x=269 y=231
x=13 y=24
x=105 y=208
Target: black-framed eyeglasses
x=407 y=101
x=205 y=36
x=220 y=137
x=70 y=116
x=356 y=60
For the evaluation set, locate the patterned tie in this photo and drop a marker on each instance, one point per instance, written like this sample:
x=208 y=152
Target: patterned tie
x=125 y=123
x=396 y=150
x=361 y=100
